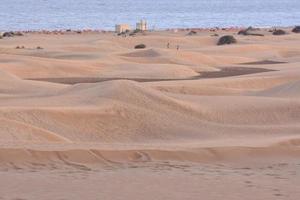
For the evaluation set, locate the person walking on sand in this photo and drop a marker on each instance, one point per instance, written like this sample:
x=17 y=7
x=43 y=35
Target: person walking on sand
x=168 y=45
x=177 y=47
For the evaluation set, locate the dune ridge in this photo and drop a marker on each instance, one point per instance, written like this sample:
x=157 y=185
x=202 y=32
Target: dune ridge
x=242 y=111
x=87 y=116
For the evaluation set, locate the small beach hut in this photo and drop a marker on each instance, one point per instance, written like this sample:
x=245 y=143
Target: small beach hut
x=141 y=26
x=122 y=28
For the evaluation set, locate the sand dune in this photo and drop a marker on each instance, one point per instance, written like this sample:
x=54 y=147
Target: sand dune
x=12 y=85
x=15 y=131
x=127 y=111
x=287 y=90
x=167 y=113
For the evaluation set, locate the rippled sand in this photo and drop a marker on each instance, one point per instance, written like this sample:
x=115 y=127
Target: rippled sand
x=89 y=117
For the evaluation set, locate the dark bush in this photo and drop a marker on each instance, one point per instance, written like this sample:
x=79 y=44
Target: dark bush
x=227 y=39
x=279 y=32
x=137 y=31
x=140 y=46
x=242 y=32
x=296 y=29
x=246 y=31
x=192 y=32
x=8 y=34
x=11 y=34
x=18 y=34
x=249 y=31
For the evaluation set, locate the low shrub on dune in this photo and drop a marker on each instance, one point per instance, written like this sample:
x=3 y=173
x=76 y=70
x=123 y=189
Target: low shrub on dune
x=140 y=46
x=279 y=32
x=296 y=29
x=227 y=39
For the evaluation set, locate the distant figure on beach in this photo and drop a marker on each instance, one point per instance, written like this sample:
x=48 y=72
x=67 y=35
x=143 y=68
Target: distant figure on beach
x=168 y=45
x=177 y=47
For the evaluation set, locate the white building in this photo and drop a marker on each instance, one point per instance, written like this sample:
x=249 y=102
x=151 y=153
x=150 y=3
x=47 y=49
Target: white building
x=141 y=26
x=121 y=28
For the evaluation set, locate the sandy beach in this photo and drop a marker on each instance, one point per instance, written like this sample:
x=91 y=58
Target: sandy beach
x=85 y=115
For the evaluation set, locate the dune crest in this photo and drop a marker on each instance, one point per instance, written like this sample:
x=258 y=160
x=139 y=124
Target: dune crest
x=86 y=114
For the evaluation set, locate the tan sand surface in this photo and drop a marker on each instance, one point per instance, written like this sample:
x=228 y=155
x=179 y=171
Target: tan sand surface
x=90 y=117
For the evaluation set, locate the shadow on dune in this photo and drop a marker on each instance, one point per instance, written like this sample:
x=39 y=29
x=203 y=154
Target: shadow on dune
x=264 y=62
x=224 y=72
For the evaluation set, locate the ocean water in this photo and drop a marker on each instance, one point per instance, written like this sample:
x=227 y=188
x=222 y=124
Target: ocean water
x=160 y=14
